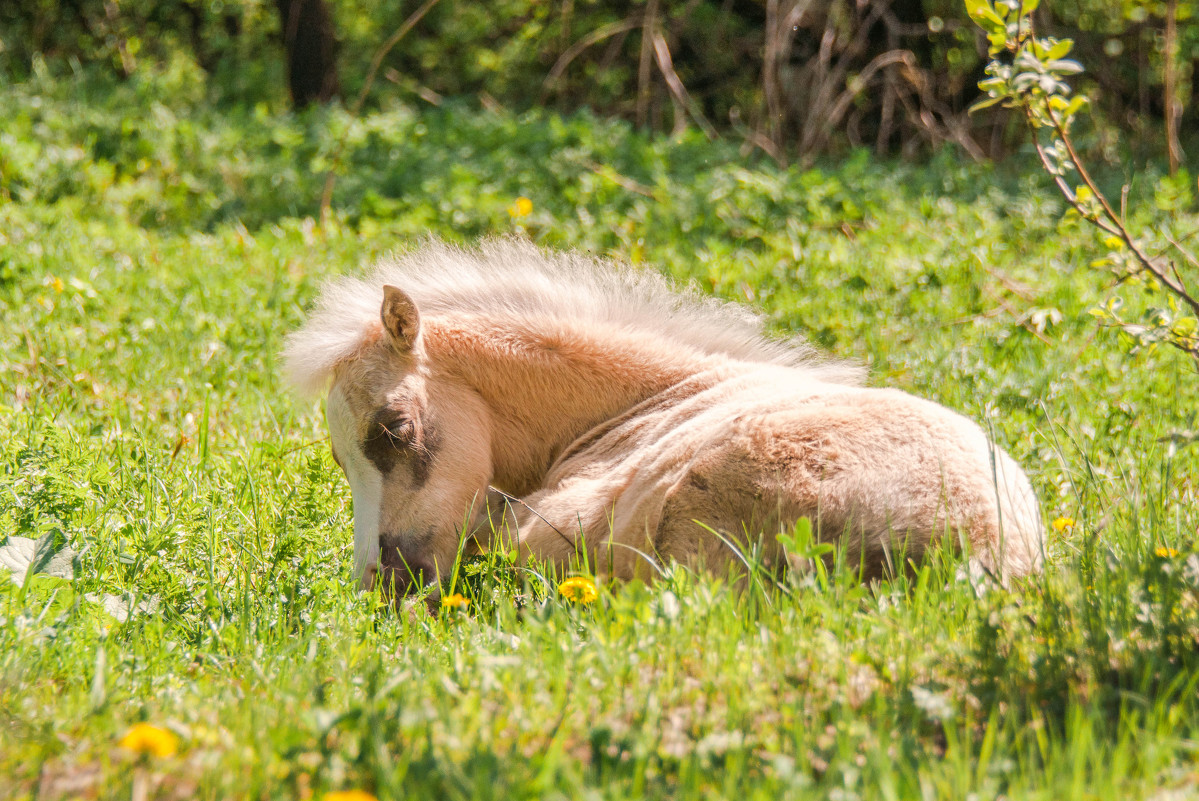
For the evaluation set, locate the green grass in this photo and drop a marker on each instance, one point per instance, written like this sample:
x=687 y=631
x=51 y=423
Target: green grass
x=142 y=416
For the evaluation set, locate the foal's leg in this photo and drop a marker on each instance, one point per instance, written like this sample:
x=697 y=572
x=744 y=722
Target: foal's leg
x=604 y=524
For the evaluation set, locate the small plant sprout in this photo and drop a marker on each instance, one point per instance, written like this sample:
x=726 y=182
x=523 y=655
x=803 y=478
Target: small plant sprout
x=578 y=590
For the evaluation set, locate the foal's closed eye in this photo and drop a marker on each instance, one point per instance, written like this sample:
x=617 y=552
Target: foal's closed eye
x=401 y=430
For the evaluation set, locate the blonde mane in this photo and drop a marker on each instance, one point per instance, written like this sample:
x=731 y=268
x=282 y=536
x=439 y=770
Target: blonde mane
x=516 y=281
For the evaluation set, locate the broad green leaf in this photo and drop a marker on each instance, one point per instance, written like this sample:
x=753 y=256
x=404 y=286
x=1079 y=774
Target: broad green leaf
x=986 y=102
x=1060 y=49
x=982 y=11
x=24 y=557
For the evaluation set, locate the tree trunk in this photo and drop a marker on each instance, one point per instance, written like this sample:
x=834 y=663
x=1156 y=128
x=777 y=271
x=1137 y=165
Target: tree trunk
x=311 y=45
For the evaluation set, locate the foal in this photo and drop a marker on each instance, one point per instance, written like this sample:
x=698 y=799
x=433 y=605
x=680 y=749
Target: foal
x=625 y=413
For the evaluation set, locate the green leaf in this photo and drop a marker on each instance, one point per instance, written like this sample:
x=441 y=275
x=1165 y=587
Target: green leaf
x=981 y=11
x=1184 y=327
x=1060 y=49
x=1065 y=66
x=974 y=7
x=25 y=558
x=986 y=102
x=1074 y=105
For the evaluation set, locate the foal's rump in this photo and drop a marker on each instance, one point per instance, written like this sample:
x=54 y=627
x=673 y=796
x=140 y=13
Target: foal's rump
x=890 y=473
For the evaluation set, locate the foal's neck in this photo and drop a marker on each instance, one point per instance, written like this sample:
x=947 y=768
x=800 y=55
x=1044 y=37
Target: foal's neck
x=547 y=387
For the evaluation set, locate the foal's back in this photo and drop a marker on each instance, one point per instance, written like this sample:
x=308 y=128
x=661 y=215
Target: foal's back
x=746 y=450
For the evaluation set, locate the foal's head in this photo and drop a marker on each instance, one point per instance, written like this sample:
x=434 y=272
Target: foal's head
x=415 y=446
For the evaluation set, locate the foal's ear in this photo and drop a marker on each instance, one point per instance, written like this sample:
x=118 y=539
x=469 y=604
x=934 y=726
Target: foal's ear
x=400 y=318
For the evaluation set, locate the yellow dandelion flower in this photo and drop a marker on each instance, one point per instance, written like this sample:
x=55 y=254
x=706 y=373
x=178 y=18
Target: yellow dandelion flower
x=454 y=601
x=1063 y=523
x=521 y=208
x=579 y=590
x=56 y=283
x=1165 y=553
x=146 y=738
x=350 y=795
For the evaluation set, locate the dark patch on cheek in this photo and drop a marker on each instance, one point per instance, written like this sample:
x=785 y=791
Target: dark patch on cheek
x=385 y=447
x=382 y=450
x=417 y=446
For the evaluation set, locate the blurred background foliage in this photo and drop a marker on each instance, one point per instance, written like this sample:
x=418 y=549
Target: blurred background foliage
x=796 y=79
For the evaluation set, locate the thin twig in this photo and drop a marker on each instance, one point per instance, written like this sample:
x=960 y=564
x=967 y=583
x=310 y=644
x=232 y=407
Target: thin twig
x=575 y=50
x=1186 y=254
x=1111 y=222
x=1120 y=230
x=556 y=530
x=675 y=84
x=1063 y=186
x=643 y=71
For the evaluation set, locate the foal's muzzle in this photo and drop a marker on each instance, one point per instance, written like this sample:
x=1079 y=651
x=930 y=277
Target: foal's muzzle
x=401 y=574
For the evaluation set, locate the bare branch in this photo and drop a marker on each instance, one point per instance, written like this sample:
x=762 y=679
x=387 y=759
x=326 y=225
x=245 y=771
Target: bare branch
x=643 y=67
x=666 y=65
x=595 y=37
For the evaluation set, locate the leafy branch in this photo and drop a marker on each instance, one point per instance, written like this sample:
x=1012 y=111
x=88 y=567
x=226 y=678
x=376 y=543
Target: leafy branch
x=1030 y=73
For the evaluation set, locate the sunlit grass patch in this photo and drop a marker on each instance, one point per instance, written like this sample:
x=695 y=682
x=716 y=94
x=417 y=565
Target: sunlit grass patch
x=143 y=424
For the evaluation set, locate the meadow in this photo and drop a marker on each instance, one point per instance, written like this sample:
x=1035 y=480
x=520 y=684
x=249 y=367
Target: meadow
x=154 y=253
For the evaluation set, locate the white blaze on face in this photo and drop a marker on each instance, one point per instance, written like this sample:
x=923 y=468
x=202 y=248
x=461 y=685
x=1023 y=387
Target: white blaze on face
x=366 y=486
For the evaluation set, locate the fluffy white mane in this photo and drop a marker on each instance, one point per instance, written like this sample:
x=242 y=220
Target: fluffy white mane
x=515 y=280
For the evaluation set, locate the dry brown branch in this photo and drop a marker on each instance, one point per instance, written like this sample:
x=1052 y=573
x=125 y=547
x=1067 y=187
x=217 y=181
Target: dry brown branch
x=382 y=52
x=841 y=105
x=832 y=66
x=593 y=38
x=765 y=144
x=419 y=89
x=779 y=30
x=1172 y=101
x=643 y=67
x=677 y=90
